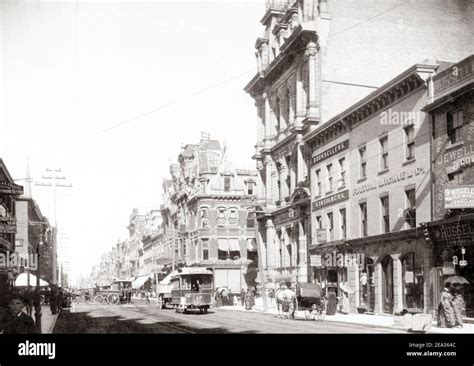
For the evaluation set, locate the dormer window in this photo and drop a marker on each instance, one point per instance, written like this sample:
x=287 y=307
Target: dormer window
x=227 y=184
x=250 y=186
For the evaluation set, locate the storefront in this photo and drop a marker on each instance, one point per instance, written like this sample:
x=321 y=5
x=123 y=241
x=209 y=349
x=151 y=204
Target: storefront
x=453 y=242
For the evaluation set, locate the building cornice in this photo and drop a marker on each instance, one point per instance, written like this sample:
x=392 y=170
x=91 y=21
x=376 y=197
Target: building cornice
x=295 y=44
x=397 y=88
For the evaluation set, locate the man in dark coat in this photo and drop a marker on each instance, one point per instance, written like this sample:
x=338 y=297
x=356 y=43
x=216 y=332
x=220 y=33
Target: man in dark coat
x=16 y=321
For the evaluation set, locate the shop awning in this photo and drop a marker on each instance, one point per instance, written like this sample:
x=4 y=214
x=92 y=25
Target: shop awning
x=22 y=280
x=140 y=281
x=227 y=245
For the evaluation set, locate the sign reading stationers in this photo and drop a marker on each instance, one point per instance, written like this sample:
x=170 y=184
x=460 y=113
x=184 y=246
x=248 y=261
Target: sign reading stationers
x=330 y=152
x=335 y=198
x=459 y=197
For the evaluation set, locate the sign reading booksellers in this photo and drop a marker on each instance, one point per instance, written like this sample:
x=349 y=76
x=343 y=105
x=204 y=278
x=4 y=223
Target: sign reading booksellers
x=459 y=197
x=330 y=152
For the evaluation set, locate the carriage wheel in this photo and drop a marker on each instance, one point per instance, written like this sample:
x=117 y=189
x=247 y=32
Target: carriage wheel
x=99 y=299
x=113 y=299
x=309 y=315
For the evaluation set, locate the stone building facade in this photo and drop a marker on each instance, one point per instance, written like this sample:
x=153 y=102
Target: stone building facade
x=316 y=59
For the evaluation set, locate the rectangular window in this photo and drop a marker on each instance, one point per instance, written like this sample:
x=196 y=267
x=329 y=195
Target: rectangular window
x=342 y=215
x=331 y=226
x=319 y=222
x=363 y=218
x=233 y=217
x=384 y=153
x=251 y=220
x=205 y=249
x=227 y=184
x=204 y=218
x=329 y=169
x=318 y=182
x=411 y=207
x=384 y=201
x=221 y=219
x=456 y=177
x=410 y=142
x=454 y=124
x=342 y=169
x=363 y=162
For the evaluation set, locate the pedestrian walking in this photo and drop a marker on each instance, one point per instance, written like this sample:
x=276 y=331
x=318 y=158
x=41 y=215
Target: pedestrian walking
x=332 y=303
x=458 y=307
x=445 y=308
x=147 y=297
x=242 y=297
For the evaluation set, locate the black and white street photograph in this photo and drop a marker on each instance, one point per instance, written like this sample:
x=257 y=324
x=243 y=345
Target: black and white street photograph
x=197 y=168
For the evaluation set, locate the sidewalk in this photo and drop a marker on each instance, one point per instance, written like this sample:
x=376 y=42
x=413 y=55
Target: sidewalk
x=376 y=321
x=47 y=319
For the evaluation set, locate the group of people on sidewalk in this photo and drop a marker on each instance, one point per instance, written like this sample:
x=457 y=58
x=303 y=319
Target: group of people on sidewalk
x=450 y=308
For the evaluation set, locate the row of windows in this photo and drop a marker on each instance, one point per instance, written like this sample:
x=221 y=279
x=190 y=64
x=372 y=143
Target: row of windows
x=330 y=177
x=384 y=165
x=409 y=215
x=383 y=151
x=225 y=217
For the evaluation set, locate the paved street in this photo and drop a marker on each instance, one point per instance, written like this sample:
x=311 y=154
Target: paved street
x=142 y=318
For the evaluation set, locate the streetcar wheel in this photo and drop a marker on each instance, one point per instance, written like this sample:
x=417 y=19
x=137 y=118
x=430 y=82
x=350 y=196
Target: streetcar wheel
x=99 y=299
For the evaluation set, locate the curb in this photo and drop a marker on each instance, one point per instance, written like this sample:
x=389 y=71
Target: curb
x=355 y=323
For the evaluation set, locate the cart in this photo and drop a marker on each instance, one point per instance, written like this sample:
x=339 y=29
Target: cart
x=309 y=299
x=111 y=294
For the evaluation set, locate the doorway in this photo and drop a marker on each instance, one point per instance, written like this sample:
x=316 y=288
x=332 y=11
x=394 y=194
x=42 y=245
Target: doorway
x=387 y=284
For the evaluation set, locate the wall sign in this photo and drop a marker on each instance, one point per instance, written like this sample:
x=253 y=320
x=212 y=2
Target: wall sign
x=330 y=152
x=459 y=197
x=335 y=198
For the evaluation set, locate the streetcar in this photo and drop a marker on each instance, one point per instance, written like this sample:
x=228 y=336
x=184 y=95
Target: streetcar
x=191 y=289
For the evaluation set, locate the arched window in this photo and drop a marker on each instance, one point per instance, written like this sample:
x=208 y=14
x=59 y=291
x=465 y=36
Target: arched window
x=412 y=276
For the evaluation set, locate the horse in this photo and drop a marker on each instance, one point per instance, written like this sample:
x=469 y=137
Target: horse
x=286 y=302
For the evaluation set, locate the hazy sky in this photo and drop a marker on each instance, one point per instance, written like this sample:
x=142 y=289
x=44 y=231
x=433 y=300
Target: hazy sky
x=71 y=70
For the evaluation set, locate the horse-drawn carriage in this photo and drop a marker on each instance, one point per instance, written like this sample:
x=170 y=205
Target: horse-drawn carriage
x=111 y=294
x=307 y=297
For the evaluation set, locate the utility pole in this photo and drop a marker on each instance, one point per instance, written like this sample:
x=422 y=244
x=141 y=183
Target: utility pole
x=53 y=178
